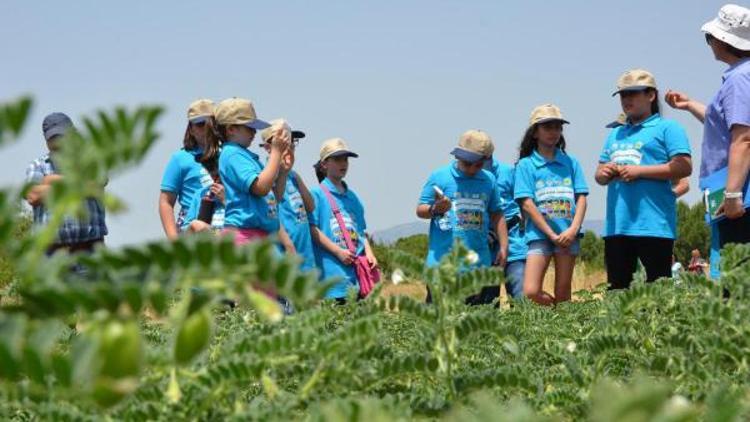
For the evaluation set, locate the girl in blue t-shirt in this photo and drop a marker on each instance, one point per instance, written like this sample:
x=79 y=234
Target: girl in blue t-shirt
x=639 y=163
x=551 y=190
x=336 y=260
x=191 y=170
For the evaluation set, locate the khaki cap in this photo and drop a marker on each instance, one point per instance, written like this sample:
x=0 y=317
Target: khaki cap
x=474 y=145
x=731 y=26
x=546 y=113
x=619 y=121
x=635 y=80
x=335 y=147
x=200 y=110
x=268 y=132
x=238 y=111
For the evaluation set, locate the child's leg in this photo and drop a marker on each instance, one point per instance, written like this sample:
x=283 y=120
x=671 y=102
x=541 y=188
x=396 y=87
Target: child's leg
x=537 y=262
x=564 y=265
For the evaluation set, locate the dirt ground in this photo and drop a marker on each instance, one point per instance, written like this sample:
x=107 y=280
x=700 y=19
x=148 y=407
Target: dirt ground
x=582 y=280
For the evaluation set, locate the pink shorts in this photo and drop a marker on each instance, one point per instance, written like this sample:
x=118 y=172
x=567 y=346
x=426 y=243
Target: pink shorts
x=245 y=236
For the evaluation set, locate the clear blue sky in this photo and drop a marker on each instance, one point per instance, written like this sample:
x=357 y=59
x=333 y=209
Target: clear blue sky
x=400 y=81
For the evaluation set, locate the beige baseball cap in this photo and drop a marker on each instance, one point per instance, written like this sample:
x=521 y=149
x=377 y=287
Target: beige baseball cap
x=473 y=146
x=238 y=111
x=619 y=121
x=546 y=113
x=635 y=80
x=335 y=147
x=200 y=110
x=731 y=26
x=268 y=132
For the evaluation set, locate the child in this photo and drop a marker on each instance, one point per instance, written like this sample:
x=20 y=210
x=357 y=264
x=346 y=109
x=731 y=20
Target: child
x=189 y=171
x=335 y=257
x=462 y=202
x=251 y=211
x=551 y=191
x=640 y=162
x=296 y=203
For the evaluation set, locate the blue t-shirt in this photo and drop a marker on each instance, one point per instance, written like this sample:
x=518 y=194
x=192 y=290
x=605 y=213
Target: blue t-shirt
x=642 y=207
x=322 y=217
x=505 y=175
x=473 y=200
x=293 y=216
x=239 y=168
x=217 y=220
x=184 y=177
x=553 y=185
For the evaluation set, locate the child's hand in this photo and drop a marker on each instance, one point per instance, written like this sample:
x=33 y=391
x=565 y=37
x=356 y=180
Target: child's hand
x=218 y=190
x=345 y=256
x=609 y=171
x=629 y=173
x=281 y=139
x=372 y=260
x=441 y=205
x=287 y=160
x=566 y=238
x=501 y=258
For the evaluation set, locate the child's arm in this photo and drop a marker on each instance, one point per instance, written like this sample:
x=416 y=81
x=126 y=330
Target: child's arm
x=264 y=183
x=344 y=255
x=286 y=241
x=568 y=236
x=680 y=186
x=166 y=214
x=528 y=206
x=498 y=222
x=307 y=198
x=440 y=205
x=678 y=167
x=370 y=254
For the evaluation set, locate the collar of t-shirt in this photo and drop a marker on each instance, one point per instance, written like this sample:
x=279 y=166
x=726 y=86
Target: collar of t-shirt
x=652 y=120
x=334 y=190
x=741 y=65
x=236 y=145
x=540 y=161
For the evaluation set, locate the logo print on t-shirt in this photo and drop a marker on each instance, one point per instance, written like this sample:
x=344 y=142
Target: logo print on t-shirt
x=338 y=237
x=272 y=206
x=627 y=154
x=555 y=200
x=470 y=208
x=297 y=205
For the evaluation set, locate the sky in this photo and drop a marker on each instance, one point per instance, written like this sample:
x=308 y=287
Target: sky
x=398 y=80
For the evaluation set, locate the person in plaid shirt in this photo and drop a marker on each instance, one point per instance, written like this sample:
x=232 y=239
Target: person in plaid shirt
x=75 y=234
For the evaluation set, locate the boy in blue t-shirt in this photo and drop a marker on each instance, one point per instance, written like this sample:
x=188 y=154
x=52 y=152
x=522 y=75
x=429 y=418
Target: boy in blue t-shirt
x=462 y=202
x=295 y=205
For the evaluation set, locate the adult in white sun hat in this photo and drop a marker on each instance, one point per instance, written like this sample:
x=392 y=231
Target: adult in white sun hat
x=726 y=130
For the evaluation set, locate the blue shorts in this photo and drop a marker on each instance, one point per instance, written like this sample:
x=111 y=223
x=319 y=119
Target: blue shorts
x=547 y=248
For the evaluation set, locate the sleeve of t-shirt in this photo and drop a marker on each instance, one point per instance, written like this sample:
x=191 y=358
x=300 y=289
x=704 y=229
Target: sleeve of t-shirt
x=523 y=186
x=171 y=181
x=736 y=100
x=496 y=202
x=579 y=180
x=604 y=157
x=676 y=140
x=314 y=216
x=242 y=172
x=428 y=193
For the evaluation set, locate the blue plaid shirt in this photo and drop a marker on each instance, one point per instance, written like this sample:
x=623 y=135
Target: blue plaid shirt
x=73 y=230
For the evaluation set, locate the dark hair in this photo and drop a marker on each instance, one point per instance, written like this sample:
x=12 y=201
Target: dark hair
x=736 y=52
x=210 y=156
x=320 y=172
x=529 y=142
x=655 y=107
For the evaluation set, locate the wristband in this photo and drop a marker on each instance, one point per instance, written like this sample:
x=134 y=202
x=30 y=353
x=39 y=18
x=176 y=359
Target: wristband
x=733 y=195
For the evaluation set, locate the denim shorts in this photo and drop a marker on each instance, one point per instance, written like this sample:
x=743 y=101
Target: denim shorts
x=547 y=248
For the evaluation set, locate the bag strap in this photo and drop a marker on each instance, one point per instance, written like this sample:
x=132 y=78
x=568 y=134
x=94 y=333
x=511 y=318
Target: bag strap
x=339 y=219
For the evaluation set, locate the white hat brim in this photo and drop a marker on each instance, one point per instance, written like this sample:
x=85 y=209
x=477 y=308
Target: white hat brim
x=721 y=34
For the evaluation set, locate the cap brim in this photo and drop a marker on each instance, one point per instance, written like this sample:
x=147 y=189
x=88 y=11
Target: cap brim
x=633 y=89
x=551 y=119
x=298 y=134
x=199 y=119
x=257 y=124
x=468 y=156
x=342 y=153
x=56 y=131
x=721 y=34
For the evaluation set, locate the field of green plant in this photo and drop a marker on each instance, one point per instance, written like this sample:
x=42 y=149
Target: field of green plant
x=145 y=336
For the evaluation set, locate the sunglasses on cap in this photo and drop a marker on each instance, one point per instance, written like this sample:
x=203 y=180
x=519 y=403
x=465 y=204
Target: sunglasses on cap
x=294 y=143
